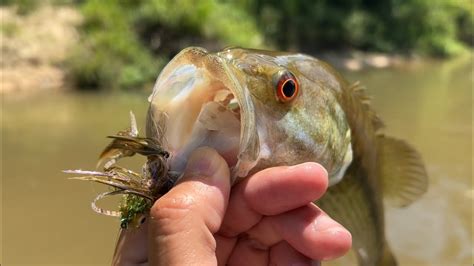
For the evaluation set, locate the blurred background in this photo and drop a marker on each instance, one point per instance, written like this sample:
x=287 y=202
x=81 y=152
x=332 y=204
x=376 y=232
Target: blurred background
x=72 y=70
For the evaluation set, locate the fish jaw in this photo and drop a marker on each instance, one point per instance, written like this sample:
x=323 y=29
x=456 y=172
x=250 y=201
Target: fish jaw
x=198 y=101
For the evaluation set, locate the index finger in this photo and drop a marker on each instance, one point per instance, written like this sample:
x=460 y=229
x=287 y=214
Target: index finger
x=272 y=191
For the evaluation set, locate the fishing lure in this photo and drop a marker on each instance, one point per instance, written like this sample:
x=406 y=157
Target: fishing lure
x=139 y=190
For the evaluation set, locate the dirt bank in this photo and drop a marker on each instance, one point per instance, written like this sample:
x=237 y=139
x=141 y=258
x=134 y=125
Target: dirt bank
x=34 y=46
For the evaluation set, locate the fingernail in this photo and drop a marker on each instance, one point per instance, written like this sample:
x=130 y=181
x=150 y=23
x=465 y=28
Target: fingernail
x=203 y=163
x=337 y=231
x=323 y=170
x=320 y=167
x=310 y=166
x=330 y=229
x=325 y=224
x=343 y=244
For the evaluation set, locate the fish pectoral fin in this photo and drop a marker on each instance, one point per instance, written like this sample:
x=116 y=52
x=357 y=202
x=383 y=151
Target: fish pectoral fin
x=401 y=171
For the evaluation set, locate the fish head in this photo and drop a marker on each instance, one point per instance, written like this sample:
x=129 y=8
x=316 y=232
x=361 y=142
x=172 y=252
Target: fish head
x=256 y=108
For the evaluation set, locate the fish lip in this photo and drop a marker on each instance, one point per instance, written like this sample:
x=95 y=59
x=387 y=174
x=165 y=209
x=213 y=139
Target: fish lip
x=222 y=69
x=249 y=139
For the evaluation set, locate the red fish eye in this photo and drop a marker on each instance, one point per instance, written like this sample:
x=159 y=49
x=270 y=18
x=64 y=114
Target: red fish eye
x=287 y=87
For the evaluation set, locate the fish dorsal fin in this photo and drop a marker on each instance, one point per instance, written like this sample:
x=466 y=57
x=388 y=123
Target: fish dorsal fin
x=401 y=171
x=359 y=93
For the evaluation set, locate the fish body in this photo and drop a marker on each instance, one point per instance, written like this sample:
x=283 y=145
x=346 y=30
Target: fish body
x=328 y=121
x=260 y=109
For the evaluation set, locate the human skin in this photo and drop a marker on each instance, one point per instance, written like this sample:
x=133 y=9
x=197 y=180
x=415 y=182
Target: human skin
x=267 y=219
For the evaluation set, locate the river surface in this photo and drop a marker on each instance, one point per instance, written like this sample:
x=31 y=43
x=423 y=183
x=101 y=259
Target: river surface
x=46 y=218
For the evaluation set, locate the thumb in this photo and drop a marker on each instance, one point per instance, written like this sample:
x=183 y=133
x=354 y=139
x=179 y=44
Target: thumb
x=184 y=220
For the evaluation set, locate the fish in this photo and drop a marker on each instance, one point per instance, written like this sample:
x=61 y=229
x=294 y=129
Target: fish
x=261 y=109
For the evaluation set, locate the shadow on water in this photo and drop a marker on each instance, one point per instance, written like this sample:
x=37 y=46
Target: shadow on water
x=46 y=219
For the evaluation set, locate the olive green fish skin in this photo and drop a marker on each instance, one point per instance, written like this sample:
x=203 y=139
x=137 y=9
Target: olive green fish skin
x=329 y=122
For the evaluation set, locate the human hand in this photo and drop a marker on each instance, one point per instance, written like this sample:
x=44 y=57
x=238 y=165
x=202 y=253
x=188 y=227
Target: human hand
x=268 y=218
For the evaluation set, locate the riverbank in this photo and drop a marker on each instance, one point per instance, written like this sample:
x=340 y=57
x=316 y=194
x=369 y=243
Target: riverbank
x=357 y=60
x=35 y=47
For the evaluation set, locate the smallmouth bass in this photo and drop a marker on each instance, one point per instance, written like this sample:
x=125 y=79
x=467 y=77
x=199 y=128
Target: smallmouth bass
x=260 y=109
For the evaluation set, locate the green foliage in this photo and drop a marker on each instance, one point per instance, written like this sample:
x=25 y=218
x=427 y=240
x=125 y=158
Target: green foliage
x=23 y=6
x=426 y=26
x=212 y=19
x=124 y=43
x=433 y=27
x=110 y=54
x=463 y=11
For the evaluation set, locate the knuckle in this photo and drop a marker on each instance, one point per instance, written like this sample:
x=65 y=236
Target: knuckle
x=172 y=207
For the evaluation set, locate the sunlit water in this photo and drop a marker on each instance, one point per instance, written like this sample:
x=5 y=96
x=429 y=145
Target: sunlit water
x=46 y=219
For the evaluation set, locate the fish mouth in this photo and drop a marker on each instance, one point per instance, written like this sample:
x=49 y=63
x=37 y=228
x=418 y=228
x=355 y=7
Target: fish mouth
x=198 y=100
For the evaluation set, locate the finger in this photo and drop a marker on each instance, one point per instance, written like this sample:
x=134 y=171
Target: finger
x=308 y=230
x=280 y=189
x=284 y=254
x=239 y=216
x=132 y=246
x=248 y=252
x=272 y=191
x=224 y=247
x=313 y=233
x=183 y=220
